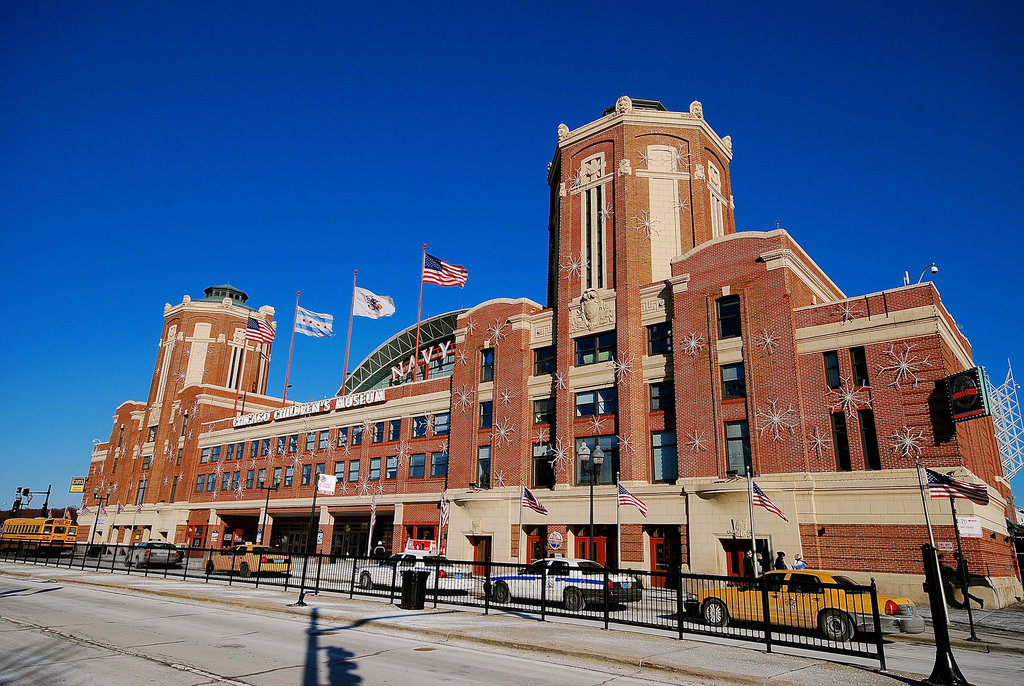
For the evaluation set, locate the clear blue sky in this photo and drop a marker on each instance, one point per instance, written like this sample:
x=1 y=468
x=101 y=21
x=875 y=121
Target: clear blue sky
x=148 y=150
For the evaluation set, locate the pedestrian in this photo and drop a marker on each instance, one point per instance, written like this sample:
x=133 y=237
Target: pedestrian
x=762 y=564
x=379 y=551
x=748 y=565
x=964 y=575
x=798 y=562
x=780 y=561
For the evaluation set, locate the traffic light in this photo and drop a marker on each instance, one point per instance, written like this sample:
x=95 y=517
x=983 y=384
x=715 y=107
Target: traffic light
x=16 y=507
x=17 y=492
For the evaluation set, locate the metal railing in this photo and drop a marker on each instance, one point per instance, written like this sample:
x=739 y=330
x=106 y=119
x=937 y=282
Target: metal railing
x=834 y=618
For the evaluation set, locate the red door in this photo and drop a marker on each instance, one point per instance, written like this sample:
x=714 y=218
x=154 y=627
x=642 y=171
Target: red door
x=599 y=551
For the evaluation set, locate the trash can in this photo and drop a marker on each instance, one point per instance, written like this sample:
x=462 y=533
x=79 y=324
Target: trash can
x=414 y=589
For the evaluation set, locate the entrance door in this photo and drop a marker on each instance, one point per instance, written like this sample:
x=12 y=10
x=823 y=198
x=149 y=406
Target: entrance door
x=665 y=558
x=196 y=535
x=598 y=552
x=736 y=548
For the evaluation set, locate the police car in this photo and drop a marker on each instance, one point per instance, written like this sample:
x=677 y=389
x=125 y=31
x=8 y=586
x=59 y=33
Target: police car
x=573 y=582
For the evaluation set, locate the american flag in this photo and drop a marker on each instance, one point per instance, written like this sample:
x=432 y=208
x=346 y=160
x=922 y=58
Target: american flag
x=67 y=513
x=373 y=513
x=942 y=486
x=83 y=510
x=259 y=330
x=444 y=511
x=530 y=501
x=764 y=501
x=120 y=509
x=436 y=270
x=138 y=509
x=627 y=498
x=103 y=511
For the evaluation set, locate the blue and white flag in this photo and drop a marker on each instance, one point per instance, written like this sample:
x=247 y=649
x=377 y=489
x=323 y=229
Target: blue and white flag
x=314 y=323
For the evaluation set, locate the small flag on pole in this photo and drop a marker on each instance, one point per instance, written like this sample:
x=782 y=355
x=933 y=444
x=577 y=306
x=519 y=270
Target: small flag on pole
x=120 y=509
x=764 y=501
x=368 y=304
x=259 y=330
x=67 y=513
x=627 y=498
x=942 y=486
x=373 y=513
x=530 y=501
x=312 y=323
x=444 y=511
x=103 y=511
x=84 y=511
x=436 y=270
x=138 y=509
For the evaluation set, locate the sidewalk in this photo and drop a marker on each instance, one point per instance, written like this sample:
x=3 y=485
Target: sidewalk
x=999 y=630
x=701 y=660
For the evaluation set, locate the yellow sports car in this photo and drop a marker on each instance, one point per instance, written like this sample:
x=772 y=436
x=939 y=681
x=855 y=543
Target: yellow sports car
x=810 y=599
x=246 y=560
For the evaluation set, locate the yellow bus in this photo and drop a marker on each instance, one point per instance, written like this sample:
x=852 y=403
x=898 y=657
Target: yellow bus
x=38 y=534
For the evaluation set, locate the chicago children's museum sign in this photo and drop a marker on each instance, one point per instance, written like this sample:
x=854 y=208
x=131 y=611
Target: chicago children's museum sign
x=345 y=402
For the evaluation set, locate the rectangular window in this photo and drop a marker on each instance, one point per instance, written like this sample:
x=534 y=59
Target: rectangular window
x=307 y=473
x=357 y=435
x=289 y=475
x=378 y=432
x=250 y=478
x=353 y=470
x=225 y=481
x=419 y=426
x=277 y=475
x=281 y=444
x=859 y=363
x=265 y=447
x=211 y=483
x=483 y=466
x=486 y=365
x=394 y=429
x=200 y=481
x=230 y=452
x=374 y=469
x=442 y=422
x=236 y=478
x=609 y=467
x=663 y=396
x=240 y=451
x=737 y=446
x=177 y=462
x=391 y=468
x=840 y=442
x=595 y=403
x=174 y=489
x=832 y=379
x=140 y=491
x=664 y=459
x=323 y=440
x=486 y=414
x=184 y=425
x=729 y=325
x=544 y=360
x=293 y=443
x=342 y=436
x=869 y=439
x=733 y=381
x=320 y=468
x=147 y=462
x=659 y=338
x=339 y=470
x=417 y=465
x=152 y=434
x=544 y=411
x=543 y=466
x=438 y=464
x=254 y=448
x=204 y=455
x=599 y=348
x=215 y=454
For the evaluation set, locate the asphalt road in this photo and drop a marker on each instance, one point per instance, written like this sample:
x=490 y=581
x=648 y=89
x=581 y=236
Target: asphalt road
x=65 y=634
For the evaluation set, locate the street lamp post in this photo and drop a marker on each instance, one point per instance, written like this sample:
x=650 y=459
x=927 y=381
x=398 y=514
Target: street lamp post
x=263 y=487
x=103 y=501
x=596 y=459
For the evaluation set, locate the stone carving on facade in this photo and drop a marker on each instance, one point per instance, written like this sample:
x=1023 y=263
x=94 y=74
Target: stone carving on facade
x=591 y=170
x=592 y=311
x=625 y=168
x=697 y=109
x=728 y=143
x=732 y=202
x=561 y=190
x=652 y=306
x=563 y=132
x=698 y=172
x=623 y=105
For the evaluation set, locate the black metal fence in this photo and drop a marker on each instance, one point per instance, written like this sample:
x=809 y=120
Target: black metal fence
x=835 y=618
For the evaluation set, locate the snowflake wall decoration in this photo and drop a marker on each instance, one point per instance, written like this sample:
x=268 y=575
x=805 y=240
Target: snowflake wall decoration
x=501 y=433
x=403 y=453
x=847 y=311
x=460 y=358
x=907 y=441
x=904 y=366
x=625 y=445
x=818 y=441
x=496 y=330
x=681 y=159
x=624 y=366
x=239 y=491
x=693 y=343
x=541 y=436
x=499 y=479
x=774 y=420
x=849 y=398
x=470 y=327
x=167 y=480
x=595 y=424
x=463 y=399
x=644 y=223
x=505 y=397
x=766 y=340
x=697 y=441
x=576 y=180
x=560 y=383
x=644 y=159
x=364 y=486
x=560 y=457
x=573 y=269
x=683 y=205
x=606 y=212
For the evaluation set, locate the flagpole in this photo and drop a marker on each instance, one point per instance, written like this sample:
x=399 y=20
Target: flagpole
x=924 y=502
x=134 y=517
x=618 y=524
x=373 y=518
x=241 y=370
x=111 y=526
x=419 y=315
x=348 y=341
x=753 y=539
x=440 y=525
x=284 y=398
x=519 y=543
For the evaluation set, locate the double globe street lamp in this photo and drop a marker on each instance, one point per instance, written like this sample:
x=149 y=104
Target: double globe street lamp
x=594 y=461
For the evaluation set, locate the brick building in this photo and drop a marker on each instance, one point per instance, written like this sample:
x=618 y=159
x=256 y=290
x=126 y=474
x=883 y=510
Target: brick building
x=686 y=351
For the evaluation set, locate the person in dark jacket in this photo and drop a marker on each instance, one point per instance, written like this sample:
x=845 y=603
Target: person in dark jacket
x=748 y=565
x=780 y=561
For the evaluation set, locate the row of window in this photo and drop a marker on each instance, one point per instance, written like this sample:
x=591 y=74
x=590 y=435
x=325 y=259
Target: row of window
x=858 y=364
x=320 y=440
